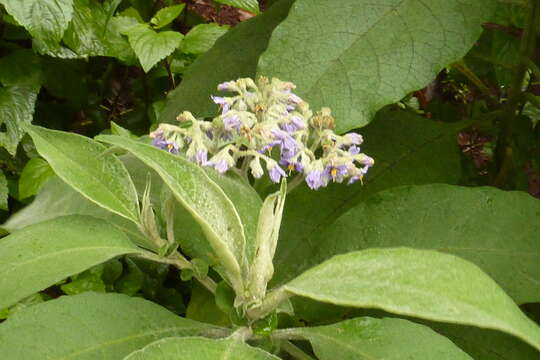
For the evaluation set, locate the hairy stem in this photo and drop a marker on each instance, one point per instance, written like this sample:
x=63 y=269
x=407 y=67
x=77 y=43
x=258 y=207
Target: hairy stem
x=269 y=304
x=295 y=351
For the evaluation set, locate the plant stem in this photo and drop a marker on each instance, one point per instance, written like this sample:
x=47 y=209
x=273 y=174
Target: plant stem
x=270 y=302
x=295 y=351
x=469 y=74
x=169 y=73
x=504 y=148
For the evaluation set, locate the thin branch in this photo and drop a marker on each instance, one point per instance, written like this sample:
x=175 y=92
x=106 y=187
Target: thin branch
x=295 y=351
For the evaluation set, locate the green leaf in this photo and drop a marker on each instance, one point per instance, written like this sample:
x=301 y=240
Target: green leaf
x=56 y=199
x=202 y=37
x=35 y=173
x=419 y=283
x=90 y=326
x=372 y=339
x=20 y=73
x=94 y=33
x=42 y=254
x=202 y=307
x=402 y=144
x=80 y=162
x=206 y=202
x=44 y=19
x=249 y=5
x=496 y=230
x=197 y=348
x=166 y=15
x=150 y=46
x=361 y=55
x=233 y=56
x=3 y=191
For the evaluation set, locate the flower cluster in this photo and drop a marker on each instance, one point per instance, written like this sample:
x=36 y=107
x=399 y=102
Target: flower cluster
x=266 y=123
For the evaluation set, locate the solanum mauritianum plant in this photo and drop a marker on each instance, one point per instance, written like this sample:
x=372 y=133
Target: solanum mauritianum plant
x=286 y=234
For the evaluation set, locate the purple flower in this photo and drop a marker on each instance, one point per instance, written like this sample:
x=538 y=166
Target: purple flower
x=276 y=173
x=337 y=173
x=315 y=179
x=354 y=150
x=222 y=102
x=226 y=86
x=294 y=125
x=268 y=147
x=290 y=107
x=287 y=141
x=231 y=122
x=209 y=134
x=291 y=165
x=201 y=157
x=168 y=145
x=221 y=166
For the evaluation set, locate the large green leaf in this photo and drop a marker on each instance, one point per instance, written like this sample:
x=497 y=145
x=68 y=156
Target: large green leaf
x=372 y=339
x=57 y=199
x=40 y=255
x=407 y=149
x=234 y=55
x=248 y=5
x=21 y=77
x=198 y=348
x=81 y=163
x=362 y=55
x=150 y=46
x=90 y=326
x=205 y=200
x=44 y=19
x=202 y=37
x=496 y=230
x=419 y=283
x=94 y=33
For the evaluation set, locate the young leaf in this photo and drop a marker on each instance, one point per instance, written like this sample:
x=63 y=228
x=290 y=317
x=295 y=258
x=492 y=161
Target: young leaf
x=370 y=54
x=249 y=5
x=202 y=37
x=399 y=142
x=166 y=15
x=261 y=265
x=419 y=283
x=234 y=55
x=91 y=326
x=80 y=162
x=35 y=173
x=206 y=202
x=150 y=46
x=377 y=339
x=40 y=255
x=198 y=348
x=496 y=230
x=44 y=19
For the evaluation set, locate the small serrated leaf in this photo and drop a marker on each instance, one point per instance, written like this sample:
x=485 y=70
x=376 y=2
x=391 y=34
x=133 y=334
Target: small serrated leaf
x=249 y=5
x=202 y=37
x=166 y=15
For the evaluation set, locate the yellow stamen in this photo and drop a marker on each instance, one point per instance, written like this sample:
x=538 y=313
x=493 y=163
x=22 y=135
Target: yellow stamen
x=333 y=172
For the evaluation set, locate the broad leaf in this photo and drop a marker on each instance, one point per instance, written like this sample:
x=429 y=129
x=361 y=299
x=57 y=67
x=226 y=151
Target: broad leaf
x=40 y=255
x=94 y=33
x=370 y=54
x=206 y=202
x=399 y=142
x=419 y=283
x=496 y=230
x=35 y=173
x=198 y=348
x=150 y=46
x=90 y=326
x=249 y=5
x=81 y=163
x=57 y=199
x=166 y=15
x=371 y=339
x=234 y=55
x=44 y=19
x=21 y=77
x=202 y=37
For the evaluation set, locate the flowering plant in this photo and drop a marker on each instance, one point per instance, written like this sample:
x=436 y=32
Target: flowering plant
x=261 y=117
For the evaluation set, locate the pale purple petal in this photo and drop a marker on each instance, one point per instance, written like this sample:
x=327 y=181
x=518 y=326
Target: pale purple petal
x=231 y=122
x=315 y=179
x=276 y=173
